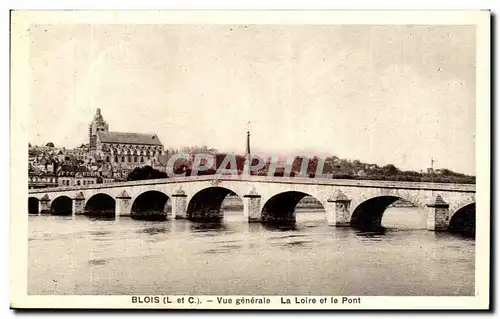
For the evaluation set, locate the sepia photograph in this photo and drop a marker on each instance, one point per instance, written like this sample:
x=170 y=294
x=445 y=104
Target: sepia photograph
x=250 y=160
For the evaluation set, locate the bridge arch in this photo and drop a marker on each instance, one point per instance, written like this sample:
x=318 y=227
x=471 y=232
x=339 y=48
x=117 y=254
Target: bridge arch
x=281 y=208
x=463 y=221
x=152 y=205
x=100 y=205
x=62 y=205
x=33 y=205
x=206 y=204
x=367 y=216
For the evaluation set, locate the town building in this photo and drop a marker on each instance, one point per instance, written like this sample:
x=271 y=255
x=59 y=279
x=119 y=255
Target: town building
x=38 y=178
x=72 y=178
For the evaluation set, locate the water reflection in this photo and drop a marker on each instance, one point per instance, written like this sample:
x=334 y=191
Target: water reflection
x=97 y=262
x=281 y=226
x=231 y=246
x=99 y=232
x=156 y=229
x=371 y=234
x=179 y=226
x=294 y=236
x=149 y=217
x=101 y=218
x=297 y=243
x=254 y=227
x=101 y=235
x=217 y=251
x=63 y=217
x=237 y=257
x=205 y=227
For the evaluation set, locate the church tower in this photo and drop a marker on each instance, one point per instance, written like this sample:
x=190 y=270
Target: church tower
x=97 y=125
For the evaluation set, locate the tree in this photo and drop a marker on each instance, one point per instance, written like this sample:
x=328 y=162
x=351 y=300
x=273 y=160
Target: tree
x=390 y=169
x=145 y=172
x=49 y=144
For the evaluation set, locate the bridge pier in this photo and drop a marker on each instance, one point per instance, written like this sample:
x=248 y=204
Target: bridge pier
x=251 y=206
x=44 y=205
x=179 y=204
x=337 y=210
x=123 y=205
x=437 y=214
x=78 y=204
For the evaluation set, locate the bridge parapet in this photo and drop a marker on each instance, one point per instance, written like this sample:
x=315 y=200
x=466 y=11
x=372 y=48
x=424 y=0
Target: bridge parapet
x=471 y=188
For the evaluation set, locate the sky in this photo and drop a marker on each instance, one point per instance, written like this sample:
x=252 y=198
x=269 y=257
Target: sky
x=379 y=94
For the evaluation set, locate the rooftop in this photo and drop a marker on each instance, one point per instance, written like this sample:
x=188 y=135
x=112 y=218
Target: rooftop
x=129 y=138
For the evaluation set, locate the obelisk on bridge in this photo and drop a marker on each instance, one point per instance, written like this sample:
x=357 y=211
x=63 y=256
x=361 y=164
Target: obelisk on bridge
x=248 y=142
x=248 y=156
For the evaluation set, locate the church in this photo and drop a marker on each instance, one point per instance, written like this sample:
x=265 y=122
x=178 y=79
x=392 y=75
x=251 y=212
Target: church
x=122 y=151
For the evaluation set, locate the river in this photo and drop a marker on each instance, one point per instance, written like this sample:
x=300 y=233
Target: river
x=79 y=255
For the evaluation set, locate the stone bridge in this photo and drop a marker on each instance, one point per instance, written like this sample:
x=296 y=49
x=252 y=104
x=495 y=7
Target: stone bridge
x=357 y=203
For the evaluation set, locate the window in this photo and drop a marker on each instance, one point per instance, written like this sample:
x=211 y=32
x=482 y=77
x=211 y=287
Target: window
x=107 y=159
x=142 y=159
x=78 y=183
x=123 y=158
x=135 y=159
x=116 y=158
x=129 y=159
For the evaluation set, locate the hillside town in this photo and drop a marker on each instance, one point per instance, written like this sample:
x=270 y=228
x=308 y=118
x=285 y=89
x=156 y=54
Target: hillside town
x=107 y=157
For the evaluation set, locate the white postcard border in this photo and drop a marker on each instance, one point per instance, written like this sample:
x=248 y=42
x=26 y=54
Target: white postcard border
x=20 y=21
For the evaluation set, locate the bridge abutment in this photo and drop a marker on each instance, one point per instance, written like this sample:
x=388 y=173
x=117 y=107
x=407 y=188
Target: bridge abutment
x=78 y=204
x=44 y=205
x=123 y=205
x=437 y=214
x=251 y=206
x=179 y=204
x=337 y=210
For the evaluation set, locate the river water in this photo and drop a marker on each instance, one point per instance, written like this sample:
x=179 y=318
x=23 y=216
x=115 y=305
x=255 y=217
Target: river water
x=80 y=255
